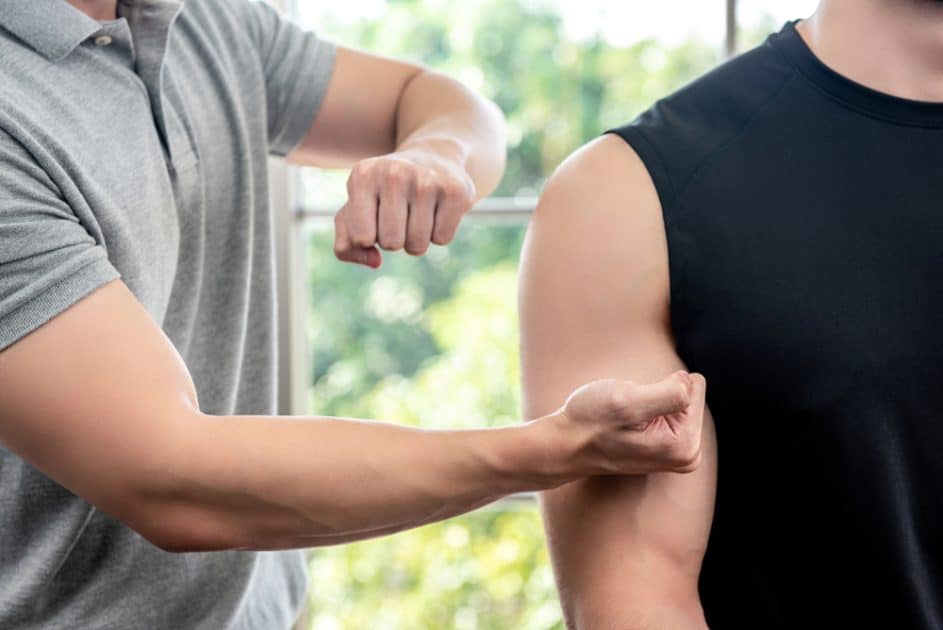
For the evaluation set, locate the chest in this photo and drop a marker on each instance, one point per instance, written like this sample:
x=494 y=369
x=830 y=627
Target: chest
x=807 y=271
x=153 y=170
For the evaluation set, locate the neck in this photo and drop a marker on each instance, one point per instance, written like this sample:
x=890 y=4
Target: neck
x=101 y=10
x=892 y=46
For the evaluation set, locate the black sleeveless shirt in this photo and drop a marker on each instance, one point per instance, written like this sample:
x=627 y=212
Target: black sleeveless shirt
x=804 y=217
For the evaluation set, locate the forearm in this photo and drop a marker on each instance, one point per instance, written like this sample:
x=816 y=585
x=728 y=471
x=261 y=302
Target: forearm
x=440 y=113
x=266 y=483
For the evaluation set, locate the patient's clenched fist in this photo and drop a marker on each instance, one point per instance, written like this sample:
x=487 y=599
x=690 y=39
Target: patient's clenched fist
x=622 y=427
x=404 y=200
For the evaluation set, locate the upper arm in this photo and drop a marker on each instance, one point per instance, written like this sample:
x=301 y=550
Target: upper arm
x=358 y=118
x=98 y=399
x=89 y=397
x=91 y=391
x=594 y=304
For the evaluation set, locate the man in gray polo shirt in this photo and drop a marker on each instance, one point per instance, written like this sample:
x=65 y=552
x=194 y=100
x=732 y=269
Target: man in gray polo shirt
x=141 y=471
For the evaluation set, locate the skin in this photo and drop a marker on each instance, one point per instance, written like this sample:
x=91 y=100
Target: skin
x=116 y=420
x=595 y=302
x=892 y=46
x=128 y=435
x=432 y=147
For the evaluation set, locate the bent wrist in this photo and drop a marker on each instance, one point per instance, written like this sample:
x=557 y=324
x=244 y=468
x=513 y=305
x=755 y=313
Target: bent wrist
x=545 y=454
x=437 y=147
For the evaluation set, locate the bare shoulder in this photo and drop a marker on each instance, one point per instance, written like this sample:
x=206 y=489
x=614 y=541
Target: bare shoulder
x=598 y=234
x=606 y=165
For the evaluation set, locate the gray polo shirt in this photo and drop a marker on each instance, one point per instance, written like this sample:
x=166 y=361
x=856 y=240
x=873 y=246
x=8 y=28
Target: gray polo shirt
x=137 y=149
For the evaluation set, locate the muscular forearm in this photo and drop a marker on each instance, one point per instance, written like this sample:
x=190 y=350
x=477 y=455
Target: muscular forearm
x=437 y=112
x=264 y=483
x=116 y=420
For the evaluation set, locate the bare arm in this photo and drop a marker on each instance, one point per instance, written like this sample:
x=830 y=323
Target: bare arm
x=376 y=105
x=99 y=400
x=594 y=302
x=423 y=148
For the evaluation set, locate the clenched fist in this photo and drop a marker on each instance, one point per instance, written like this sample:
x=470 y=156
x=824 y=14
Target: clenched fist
x=404 y=200
x=620 y=427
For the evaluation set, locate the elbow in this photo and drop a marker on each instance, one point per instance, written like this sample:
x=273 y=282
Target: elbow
x=169 y=541
x=186 y=530
x=175 y=500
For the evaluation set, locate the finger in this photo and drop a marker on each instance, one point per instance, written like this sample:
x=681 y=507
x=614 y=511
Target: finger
x=345 y=250
x=454 y=201
x=698 y=391
x=421 y=218
x=362 y=205
x=391 y=228
x=669 y=395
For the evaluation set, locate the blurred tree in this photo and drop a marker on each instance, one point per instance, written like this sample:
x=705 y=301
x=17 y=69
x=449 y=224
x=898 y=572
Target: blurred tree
x=433 y=341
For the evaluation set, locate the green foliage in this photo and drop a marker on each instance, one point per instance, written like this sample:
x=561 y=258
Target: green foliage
x=487 y=571
x=433 y=341
x=379 y=331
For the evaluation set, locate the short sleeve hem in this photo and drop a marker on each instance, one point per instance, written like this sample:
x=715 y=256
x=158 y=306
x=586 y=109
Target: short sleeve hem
x=56 y=298
x=305 y=100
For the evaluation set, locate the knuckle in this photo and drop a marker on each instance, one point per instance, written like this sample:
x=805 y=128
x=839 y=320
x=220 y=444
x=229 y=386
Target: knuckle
x=392 y=242
x=425 y=185
x=453 y=190
x=395 y=175
x=621 y=400
x=416 y=249
x=359 y=174
x=444 y=230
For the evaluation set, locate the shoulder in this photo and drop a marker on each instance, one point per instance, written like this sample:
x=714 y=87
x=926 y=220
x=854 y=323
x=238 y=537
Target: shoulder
x=682 y=131
x=597 y=234
x=598 y=181
x=231 y=21
x=237 y=18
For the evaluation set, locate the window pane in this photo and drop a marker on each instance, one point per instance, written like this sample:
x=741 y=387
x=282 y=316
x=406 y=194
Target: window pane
x=488 y=570
x=428 y=341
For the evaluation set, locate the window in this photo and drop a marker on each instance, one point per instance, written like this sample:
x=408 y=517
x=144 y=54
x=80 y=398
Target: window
x=433 y=341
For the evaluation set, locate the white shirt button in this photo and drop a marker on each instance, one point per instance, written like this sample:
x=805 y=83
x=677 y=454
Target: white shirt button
x=103 y=40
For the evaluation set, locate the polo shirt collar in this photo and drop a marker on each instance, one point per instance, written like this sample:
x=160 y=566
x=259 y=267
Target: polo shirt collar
x=53 y=28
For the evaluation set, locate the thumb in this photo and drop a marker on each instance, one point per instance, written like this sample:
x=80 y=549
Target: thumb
x=670 y=395
x=367 y=256
x=347 y=251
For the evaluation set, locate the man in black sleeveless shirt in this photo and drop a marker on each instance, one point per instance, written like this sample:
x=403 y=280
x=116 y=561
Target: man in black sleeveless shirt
x=776 y=225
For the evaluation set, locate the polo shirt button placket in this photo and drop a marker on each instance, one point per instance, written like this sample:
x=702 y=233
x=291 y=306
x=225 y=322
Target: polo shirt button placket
x=103 y=40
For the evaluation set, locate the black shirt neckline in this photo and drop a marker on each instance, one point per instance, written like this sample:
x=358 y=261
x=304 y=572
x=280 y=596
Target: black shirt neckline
x=852 y=93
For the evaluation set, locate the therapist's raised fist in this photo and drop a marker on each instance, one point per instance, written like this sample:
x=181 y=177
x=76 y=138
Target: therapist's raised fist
x=621 y=427
x=404 y=200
